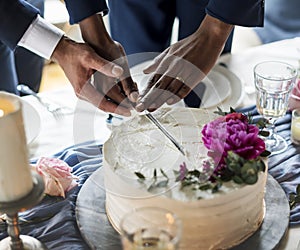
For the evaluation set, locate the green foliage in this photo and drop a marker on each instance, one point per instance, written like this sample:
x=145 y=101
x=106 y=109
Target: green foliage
x=294 y=198
x=241 y=170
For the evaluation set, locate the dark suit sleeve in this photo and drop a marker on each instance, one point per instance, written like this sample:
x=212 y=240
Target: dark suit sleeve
x=15 y=18
x=247 y=13
x=81 y=9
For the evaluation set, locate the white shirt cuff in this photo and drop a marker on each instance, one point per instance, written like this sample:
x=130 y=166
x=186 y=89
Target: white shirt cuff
x=41 y=37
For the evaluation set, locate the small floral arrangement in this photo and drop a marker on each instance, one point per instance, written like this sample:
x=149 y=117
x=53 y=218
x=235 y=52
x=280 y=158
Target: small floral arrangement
x=57 y=176
x=235 y=151
x=235 y=148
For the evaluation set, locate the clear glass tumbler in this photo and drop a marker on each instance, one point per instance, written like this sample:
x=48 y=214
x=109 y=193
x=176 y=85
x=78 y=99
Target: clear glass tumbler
x=150 y=228
x=273 y=83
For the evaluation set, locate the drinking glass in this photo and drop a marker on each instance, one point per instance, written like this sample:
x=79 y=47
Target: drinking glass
x=150 y=228
x=273 y=83
x=295 y=127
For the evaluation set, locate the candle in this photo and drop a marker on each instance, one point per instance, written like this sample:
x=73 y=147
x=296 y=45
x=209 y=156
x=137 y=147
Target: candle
x=295 y=126
x=15 y=174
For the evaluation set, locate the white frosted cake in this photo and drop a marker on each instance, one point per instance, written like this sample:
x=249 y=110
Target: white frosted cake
x=211 y=220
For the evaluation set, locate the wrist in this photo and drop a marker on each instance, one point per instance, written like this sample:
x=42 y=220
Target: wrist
x=60 y=50
x=94 y=32
x=215 y=31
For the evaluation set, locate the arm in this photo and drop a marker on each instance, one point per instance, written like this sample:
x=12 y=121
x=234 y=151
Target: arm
x=184 y=64
x=79 y=61
x=120 y=91
x=15 y=18
x=81 y=9
x=94 y=33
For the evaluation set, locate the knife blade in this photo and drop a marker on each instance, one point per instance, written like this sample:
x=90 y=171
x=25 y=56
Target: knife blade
x=165 y=132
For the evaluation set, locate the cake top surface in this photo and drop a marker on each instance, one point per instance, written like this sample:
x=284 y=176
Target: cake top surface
x=137 y=151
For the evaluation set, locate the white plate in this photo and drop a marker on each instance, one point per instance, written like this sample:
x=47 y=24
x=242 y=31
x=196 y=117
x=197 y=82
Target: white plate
x=32 y=121
x=236 y=85
x=217 y=89
x=223 y=88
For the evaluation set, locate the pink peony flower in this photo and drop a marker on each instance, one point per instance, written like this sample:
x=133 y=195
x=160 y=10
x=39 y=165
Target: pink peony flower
x=56 y=175
x=232 y=133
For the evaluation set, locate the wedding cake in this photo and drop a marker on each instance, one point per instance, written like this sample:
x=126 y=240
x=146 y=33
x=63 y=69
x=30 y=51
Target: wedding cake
x=144 y=169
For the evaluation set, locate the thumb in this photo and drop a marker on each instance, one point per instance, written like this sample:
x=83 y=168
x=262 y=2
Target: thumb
x=106 y=67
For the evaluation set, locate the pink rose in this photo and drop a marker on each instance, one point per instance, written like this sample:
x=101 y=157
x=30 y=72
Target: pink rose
x=56 y=175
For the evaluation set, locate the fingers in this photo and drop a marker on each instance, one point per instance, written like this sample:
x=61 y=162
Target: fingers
x=154 y=65
x=165 y=90
x=107 y=68
x=129 y=87
x=90 y=94
x=112 y=89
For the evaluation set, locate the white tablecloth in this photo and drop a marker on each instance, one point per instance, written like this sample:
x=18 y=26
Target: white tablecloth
x=88 y=123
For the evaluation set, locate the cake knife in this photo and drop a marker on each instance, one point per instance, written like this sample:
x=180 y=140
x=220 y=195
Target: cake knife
x=165 y=132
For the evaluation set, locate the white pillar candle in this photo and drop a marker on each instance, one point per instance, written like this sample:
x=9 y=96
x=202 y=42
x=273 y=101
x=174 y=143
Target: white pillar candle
x=15 y=174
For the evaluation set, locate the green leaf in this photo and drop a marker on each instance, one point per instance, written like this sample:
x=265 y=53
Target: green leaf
x=264 y=133
x=292 y=197
x=298 y=189
x=237 y=179
x=154 y=174
x=232 y=110
x=140 y=175
x=162 y=183
x=234 y=167
x=164 y=174
x=219 y=112
x=216 y=187
x=266 y=153
x=261 y=166
x=205 y=186
x=152 y=186
x=262 y=123
x=196 y=173
x=252 y=179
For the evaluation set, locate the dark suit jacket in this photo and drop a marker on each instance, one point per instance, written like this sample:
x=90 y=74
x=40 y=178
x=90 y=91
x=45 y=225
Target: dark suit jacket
x=16 y=15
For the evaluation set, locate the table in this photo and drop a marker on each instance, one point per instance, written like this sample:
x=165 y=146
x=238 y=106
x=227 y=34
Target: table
x=88 y=123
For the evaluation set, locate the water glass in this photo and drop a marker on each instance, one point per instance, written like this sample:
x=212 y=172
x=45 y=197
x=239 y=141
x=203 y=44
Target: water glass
x=273 y=83
x=150 y=228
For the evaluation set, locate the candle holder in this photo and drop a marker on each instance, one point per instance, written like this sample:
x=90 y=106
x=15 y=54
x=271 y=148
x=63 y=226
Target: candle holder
x=15 y=241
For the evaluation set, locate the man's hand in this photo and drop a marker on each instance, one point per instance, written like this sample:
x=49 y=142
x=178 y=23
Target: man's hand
x=122 y=90
x=183 y=65
x=79 y=62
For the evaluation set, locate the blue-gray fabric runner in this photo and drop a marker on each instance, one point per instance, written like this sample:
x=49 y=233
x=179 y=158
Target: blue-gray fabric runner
x=53 y=221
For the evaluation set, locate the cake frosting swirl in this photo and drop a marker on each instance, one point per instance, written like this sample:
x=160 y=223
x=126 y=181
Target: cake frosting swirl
x=211 y=220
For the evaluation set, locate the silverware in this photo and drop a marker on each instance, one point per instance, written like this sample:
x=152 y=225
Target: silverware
x=165 y=132
x=55 y=109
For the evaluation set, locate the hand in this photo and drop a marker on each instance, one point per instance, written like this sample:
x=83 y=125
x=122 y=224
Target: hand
x=183 y=65
x=121 y=91
x=79 y=61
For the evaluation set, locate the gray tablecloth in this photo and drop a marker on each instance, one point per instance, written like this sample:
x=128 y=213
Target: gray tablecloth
x=53 y=220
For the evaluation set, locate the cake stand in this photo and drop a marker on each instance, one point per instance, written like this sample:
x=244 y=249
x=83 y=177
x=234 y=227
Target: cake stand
x=15 y=241
x=99 y=234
